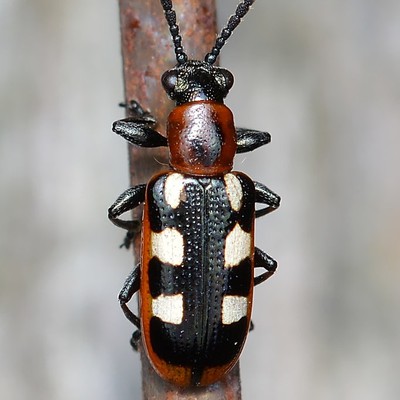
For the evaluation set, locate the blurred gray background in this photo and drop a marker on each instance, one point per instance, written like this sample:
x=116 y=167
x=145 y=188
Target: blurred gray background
x=324 y=79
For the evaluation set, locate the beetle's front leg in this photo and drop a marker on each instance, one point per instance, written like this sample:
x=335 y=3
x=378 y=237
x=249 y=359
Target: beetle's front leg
x=249 y=139
x=127 y=201
x=131 y=286
x=138 y=129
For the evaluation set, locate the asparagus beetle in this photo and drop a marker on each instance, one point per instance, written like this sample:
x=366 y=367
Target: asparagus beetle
x=196 y=274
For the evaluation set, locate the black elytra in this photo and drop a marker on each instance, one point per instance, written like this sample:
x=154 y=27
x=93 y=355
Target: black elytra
x=196 y=274
x=204 y=235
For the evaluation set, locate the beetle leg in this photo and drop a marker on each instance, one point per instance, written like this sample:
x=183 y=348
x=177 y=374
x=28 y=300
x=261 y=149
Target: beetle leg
x=136 y=110
x=138 y=129
x=127 y=201
x=135 y=339
x=249 y=140
x=266 y=196
x=263 y=260
x=131 y=286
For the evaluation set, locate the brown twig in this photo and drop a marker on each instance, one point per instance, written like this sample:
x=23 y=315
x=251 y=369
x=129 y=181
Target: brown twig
x=147 y=52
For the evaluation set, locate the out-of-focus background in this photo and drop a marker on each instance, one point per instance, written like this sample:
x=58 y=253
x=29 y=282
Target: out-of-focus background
x=324 y=79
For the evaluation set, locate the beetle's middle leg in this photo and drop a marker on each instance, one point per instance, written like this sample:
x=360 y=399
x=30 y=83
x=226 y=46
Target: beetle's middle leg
x=266 y=196
x=127 y=201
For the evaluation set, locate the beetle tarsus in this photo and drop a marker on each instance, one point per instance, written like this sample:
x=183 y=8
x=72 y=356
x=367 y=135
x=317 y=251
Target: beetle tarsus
x=128 y=240
x=135 y=339
x=135 y=109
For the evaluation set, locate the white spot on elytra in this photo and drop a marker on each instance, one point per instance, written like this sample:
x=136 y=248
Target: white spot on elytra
x=169 y=308
x=234 y=191
x=173 y=189
x=237 y=246
x=233 y=309
x=168 y=246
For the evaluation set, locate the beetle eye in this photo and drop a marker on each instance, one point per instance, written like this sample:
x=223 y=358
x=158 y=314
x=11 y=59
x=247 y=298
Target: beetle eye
x=228 y=78
x=168 y=80
x=224 y=79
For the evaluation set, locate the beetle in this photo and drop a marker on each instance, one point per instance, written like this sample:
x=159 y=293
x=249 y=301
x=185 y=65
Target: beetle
x=196 y=274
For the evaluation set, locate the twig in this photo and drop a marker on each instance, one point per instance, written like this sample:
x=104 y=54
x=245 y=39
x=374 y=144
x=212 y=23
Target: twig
x=147 y=52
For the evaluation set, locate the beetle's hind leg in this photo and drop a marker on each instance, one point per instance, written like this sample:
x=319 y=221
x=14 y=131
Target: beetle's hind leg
x=263 y=260
x=131 y=286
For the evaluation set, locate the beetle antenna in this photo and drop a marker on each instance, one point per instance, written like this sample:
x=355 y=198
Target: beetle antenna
x=170 y=16
x=233 y=22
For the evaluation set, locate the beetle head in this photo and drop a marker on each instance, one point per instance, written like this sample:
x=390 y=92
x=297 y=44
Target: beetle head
x=197 y=80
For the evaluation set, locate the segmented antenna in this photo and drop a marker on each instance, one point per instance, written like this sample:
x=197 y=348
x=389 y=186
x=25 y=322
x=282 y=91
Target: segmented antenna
x=233 y=22
x=170 y=16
